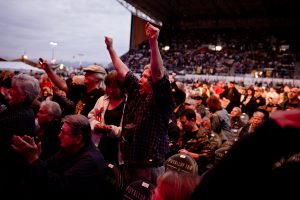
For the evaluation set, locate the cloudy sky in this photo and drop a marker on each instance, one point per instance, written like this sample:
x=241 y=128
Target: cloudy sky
x=78 y=26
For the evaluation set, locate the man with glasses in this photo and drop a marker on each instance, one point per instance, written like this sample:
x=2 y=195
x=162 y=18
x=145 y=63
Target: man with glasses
x=75 y=171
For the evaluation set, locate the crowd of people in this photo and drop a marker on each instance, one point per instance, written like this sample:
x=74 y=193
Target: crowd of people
x=58 y=135
x=244 y=51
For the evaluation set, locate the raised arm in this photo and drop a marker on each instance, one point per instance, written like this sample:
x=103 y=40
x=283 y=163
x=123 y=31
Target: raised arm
x=118 y=64
x=157 y=68
x=58 y=82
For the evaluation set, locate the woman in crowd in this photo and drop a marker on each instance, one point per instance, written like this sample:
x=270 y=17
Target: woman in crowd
x=248 y=104
x=105 y=118
x=219 y=117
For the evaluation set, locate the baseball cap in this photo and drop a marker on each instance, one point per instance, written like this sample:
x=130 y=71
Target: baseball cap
x=95 y=69
x=140 y=189
x=182 y=163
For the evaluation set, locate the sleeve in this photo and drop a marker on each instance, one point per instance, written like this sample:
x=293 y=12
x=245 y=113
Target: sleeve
x=67 y=104
x=94 y=115
x=131 y=83
x=216 y=123
x=115 y=132
x=163 y=94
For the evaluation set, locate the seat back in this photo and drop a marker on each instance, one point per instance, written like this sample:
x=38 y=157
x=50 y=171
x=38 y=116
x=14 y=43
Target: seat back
x=113 y=180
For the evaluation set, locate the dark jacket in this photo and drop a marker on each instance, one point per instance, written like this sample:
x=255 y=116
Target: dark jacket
x=233 y=96
x=68 y=175
x=16 y=120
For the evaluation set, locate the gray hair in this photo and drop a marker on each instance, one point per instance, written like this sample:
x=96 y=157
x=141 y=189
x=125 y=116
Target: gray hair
x=53 y=108
x=259 y=114
x=79 y=125
x=100 y=78
x=238 y=109
x=28 y=84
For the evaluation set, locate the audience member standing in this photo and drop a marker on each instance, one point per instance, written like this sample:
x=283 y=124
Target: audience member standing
x=83 y=98
x=106 y=118
x=147 y=113
x=260 y=100
x=232 y=95
x=17 y=119
x=179 y=97
x=5 y=85
x=249 y=102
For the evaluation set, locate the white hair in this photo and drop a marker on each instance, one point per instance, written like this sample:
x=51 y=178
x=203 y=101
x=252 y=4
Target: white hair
x=28 y=84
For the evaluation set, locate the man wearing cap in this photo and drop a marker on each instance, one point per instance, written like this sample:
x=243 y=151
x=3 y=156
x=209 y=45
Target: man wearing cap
x=80 y=98
x=149 y=105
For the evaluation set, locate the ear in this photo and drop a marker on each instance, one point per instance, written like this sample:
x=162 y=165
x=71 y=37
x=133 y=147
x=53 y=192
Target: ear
x=51 y=116
x=79 y=138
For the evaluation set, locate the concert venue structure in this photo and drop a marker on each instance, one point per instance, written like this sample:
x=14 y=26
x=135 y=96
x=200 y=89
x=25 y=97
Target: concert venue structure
x=253 y=39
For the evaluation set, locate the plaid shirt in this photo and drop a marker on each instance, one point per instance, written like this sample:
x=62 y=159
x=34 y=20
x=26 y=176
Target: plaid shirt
x=145 y=124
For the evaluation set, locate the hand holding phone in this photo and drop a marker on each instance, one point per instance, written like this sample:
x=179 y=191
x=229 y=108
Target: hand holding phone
x=43 y=63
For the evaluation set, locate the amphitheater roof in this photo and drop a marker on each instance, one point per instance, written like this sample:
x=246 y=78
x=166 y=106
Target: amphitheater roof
x=187 y=11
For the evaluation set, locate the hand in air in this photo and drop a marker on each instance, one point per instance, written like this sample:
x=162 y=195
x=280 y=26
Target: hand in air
x=151 y=31
x=108 y=42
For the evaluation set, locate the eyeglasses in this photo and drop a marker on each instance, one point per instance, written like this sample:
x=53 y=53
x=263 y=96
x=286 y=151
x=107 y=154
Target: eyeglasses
x=65 y=133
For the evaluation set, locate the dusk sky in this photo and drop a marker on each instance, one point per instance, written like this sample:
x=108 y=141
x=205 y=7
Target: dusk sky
x=78 y=27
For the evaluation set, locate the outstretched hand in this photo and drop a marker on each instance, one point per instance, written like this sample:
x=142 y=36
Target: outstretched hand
x=151 y=31
x=108 y=42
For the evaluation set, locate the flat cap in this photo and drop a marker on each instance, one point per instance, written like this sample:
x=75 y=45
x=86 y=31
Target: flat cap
x=95 y=69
